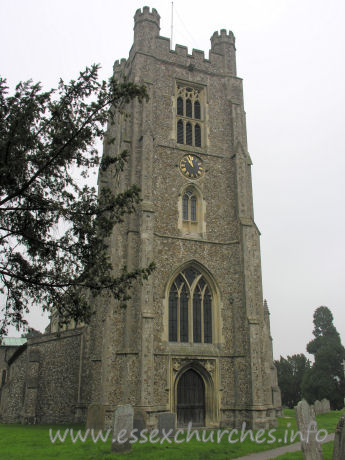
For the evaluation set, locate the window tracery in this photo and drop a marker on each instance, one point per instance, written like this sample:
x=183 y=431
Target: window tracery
x=188 y=109
x=190 y=308
x=189 y=204
x=191 y=209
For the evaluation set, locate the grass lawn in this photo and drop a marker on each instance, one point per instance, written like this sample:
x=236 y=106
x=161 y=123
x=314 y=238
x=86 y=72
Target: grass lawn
x=31 y=442
x=327 y=453
x=329 y=423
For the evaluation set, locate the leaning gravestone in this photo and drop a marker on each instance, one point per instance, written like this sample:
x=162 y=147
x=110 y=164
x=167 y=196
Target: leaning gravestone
x=339 y=440
x=95 y=417
x=317 y=407
x=166 y=422
x=325 y=405
x=305 y=416
x=122 y=428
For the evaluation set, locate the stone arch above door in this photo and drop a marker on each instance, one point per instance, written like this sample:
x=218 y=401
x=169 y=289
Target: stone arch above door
x=206 y=369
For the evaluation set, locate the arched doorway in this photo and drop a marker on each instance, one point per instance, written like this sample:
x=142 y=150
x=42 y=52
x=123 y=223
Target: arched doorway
x=191 y=399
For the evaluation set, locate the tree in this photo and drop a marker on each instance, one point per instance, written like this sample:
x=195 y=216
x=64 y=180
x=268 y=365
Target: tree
x=290 y=372
x=53 y=225
x=326 y=377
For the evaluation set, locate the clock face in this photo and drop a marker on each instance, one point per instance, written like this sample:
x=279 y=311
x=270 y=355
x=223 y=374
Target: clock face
x=191 y=167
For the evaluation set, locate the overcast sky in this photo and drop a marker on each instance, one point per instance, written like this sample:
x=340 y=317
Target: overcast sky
x=291 y=57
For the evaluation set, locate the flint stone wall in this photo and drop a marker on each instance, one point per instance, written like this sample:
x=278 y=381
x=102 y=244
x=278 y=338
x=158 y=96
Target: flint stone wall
x=12 y=393
x=43 y=381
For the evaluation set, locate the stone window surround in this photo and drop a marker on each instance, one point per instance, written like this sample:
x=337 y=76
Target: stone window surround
x=197 y=326
x=216 y=304
x=201 y=89
x=190 y=227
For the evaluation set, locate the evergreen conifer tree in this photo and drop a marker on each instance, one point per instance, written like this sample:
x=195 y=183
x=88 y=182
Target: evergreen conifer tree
x=325 y=379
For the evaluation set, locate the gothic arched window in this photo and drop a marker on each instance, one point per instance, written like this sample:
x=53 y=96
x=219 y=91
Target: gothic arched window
x=173 y=314
x=179 y=106
x=190 y=308
x=193 y=208
x=207 y=316
x=197 y=112
x=188 y=111
x=189 y=108
x=189 y=206
x=180 y=132
x=197 y=135
x=189 y=134
x=185 y=206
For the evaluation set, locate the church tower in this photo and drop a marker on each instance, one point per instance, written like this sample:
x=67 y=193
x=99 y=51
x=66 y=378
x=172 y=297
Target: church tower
x=194 y=339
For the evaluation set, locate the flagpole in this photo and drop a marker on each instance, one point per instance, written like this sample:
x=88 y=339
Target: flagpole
x=172 y=24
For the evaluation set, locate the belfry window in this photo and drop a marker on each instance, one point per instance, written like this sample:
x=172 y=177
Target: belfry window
x=197 y=113
x=180 y=137
x=179 y=106
x=197 y=138
x=190 y=308
x=188 y=109
x=189 y=134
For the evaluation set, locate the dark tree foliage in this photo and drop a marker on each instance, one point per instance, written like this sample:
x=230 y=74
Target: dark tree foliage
x=53 y=225
x=326 y=377
x=290 y=373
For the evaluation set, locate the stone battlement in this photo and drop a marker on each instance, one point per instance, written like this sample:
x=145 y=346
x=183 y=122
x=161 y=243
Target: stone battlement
x=222 y=37
x=148 y=41
x=119 y=65
x=146 y=15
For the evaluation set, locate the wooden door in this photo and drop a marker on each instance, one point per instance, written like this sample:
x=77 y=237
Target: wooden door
x=191 y=399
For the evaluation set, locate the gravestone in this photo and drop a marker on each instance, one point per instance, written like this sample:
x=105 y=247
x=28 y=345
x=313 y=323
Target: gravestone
x=139 y=422
x=317 y=407
x=166 y=421
x=122 y=428
x=326 y=407
x=305 y=416
x=95 y=417
x=339 y=440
